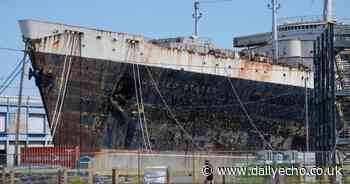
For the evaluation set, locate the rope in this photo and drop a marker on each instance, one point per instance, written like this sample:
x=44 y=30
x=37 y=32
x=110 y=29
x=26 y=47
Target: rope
x=138 y=108
x=11 y=49
x=65 y=87
x=14 y=71
x=143 y=108
x=169 y=110
x=137 y=98
x=61 y=84
x=140 y=105
x=250 y=120
x=8 y=81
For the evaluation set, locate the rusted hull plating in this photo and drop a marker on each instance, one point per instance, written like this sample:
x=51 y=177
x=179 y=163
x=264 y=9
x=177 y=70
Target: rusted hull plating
x=99 y=109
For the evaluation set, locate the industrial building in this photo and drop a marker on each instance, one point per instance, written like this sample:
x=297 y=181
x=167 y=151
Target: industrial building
x=33 y=128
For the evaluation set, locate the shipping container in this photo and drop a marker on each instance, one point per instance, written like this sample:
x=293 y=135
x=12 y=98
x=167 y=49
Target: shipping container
x=50 y=156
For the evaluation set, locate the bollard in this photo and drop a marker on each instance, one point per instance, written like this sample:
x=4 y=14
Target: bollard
x=115 y=177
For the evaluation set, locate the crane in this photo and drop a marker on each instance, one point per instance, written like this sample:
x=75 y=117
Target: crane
x=197 y=15
x=328 y=11
x=274 y=6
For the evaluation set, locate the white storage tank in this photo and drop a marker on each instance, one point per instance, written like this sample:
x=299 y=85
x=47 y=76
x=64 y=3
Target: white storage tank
x=290 y=48
x=307 y=47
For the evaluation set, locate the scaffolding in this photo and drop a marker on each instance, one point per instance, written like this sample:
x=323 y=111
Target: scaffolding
x=324 y=126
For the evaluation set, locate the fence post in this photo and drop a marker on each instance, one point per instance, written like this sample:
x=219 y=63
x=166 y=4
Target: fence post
x=115 y=176
x=193 y=168
x=59 y=177
x=138 y=167
x=91 y=176
x=12 y=177
x=65 y=176
x=3 y=175
x=168 y=181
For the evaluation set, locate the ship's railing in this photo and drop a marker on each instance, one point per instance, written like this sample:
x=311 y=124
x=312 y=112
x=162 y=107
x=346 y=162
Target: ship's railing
x=343 y=21
x=300 y=19
x=309 y=19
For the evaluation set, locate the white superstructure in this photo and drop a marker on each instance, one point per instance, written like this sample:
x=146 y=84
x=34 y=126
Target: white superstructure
x=51 y=38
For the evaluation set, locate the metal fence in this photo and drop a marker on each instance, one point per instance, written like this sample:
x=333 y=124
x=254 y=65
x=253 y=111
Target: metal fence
x=121 y=167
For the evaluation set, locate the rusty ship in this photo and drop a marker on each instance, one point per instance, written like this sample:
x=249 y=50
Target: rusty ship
x=114 y=90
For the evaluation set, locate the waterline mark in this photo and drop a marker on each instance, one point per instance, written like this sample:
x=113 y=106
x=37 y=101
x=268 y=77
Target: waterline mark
x=208 y=170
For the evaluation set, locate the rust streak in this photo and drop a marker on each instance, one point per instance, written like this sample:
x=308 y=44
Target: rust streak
x=256 y=70
x=56 y=44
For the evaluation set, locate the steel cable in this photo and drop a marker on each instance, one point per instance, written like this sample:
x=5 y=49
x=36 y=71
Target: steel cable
x=53 y=120
x=138 y=108
x=169 y=109
x=65 y=85
x=8 y=81
x=250 y=120
x=143 y=108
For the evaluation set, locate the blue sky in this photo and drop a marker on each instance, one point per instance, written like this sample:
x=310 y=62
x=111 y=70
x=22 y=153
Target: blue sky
x=152 y=18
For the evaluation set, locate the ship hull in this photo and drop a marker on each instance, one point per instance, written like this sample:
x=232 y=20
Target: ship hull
x=201 y=111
